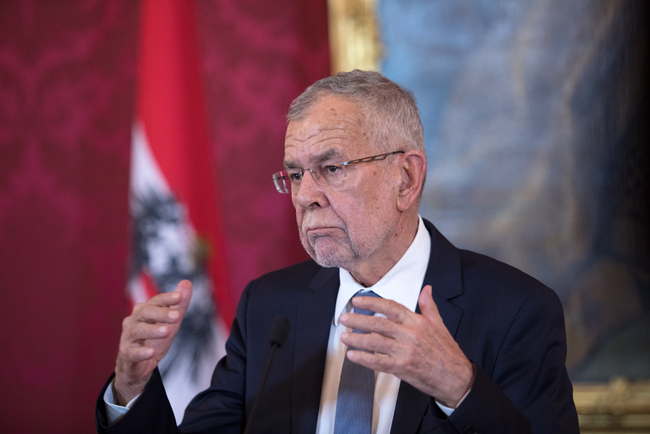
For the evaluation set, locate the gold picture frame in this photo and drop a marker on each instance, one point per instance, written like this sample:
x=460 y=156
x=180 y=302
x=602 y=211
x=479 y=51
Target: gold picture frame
x=619 y=406
x=354 y=36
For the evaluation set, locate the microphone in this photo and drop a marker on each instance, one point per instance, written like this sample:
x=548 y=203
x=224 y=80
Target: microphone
x=279 y=331
x=278 y=335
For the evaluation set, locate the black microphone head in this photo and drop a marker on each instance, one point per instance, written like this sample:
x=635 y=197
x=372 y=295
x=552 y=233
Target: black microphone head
x=279 y=330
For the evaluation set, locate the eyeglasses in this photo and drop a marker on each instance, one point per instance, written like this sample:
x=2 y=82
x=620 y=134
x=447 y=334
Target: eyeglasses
x=326 y=173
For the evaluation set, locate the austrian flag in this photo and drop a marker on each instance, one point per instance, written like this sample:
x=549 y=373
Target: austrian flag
x=173 y=199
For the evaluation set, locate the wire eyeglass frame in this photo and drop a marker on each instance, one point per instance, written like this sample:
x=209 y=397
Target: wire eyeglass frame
x=332 y=175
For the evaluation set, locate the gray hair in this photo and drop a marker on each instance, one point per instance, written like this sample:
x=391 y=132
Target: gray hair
x=390 y=111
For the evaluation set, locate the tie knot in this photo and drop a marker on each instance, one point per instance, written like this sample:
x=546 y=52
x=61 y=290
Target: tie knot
x=364 y=293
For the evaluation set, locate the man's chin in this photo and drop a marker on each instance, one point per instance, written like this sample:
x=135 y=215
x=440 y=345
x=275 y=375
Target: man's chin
x=329 y=254
x=329 y=261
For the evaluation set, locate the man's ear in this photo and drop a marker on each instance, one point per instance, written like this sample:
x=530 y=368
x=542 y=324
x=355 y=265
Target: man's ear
x=413 y=173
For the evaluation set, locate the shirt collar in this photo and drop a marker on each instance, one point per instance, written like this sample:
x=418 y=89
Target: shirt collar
x=402 y=283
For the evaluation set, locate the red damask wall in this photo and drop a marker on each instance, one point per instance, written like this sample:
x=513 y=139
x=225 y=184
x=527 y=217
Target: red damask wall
x=67 y=74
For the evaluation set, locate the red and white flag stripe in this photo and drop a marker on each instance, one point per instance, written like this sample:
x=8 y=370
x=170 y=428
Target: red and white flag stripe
x=173 y=199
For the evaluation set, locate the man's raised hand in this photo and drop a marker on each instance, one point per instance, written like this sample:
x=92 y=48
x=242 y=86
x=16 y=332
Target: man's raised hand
x=146 y=337
x=416 y=348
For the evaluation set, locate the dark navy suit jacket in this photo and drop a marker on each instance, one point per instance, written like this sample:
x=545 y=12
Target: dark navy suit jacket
x=508 y=324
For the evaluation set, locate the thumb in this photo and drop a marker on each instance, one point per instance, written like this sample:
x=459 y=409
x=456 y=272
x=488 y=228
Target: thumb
x=185 y=289
x=427 y=305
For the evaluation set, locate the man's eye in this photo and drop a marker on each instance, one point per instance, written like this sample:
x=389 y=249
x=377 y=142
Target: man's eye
x=295 y=177
x=330 y=170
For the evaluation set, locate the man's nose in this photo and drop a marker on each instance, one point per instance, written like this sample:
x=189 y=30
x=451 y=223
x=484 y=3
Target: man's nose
x=310 y=192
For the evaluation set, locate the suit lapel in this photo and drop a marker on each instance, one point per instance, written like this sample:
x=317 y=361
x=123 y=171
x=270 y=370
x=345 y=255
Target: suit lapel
x=315 y=311
x=444 y=276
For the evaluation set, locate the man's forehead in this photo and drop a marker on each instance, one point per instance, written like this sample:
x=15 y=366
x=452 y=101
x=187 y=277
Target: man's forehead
x=294 y=157
x=327 y=114
x=324 y=144
x=332 y=128
x=310 y=130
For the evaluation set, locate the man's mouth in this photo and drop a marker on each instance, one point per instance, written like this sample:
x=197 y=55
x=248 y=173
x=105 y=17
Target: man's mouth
x=322 y=231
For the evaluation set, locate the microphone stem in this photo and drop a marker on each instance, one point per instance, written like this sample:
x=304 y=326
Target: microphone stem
x=261 y=387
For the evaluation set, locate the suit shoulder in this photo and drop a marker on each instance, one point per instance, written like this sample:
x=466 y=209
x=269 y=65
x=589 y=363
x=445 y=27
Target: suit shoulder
x=305 y=268
x=498 y=279
x=278 y=292
x=293 y=276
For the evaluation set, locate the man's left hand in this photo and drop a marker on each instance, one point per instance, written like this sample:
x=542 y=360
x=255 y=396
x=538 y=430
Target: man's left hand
x=415 y=348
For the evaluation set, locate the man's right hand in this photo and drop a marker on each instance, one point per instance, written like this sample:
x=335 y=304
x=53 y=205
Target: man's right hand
x=146 y=337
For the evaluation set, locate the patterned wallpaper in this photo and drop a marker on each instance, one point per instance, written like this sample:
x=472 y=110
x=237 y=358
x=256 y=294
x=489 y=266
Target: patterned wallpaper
x=67 y=76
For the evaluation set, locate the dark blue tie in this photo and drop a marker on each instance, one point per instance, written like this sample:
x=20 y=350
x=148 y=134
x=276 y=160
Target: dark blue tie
x=356 y=391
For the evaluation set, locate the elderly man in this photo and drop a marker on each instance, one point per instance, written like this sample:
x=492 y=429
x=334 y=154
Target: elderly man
x=458 y=342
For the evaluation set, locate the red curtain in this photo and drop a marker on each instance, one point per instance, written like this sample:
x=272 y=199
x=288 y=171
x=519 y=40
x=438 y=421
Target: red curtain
x=67 y=82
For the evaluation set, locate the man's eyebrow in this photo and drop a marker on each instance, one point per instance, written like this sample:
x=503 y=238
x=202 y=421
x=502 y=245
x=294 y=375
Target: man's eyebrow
x=318 y=158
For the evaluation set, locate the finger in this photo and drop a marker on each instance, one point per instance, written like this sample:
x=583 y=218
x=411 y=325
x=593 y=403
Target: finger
x=372 y=342
x=428 y=307
x=157 y=314
x=143 y=331
x=184 y=288
x=391 y=309
x=164 y=299
x=369 y=323
x=374 y=361
x=179 y=297
x=137 y=354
